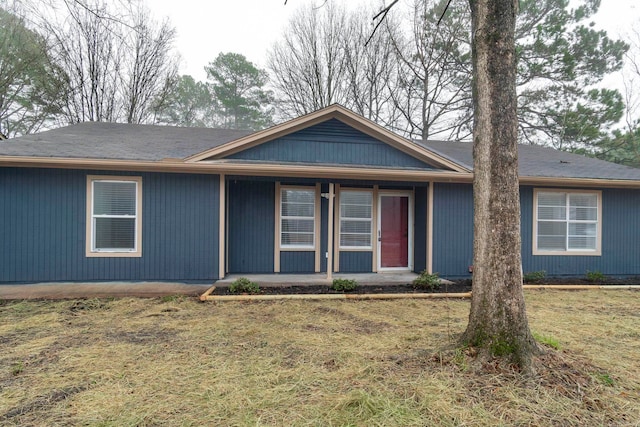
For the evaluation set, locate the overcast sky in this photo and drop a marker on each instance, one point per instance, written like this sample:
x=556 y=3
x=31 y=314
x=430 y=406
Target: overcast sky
x=250 y=27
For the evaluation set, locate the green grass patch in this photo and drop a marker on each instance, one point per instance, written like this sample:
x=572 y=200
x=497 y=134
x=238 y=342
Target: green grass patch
x=547 y=340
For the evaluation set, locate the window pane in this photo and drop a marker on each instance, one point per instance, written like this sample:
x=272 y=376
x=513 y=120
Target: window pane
x=583 y=214
x=551 y=243
x=298 y=203
x=546 y=228
x=114 y=198
x=567 y=221
x=545 y=212
x=552 y=236
x=552 y=199
x=353 y=240
x=356 y=197
x=297 y=209
x=355 y=211
x=582 y=229
x=292 y=225
x=297 y=239
x=297 y=224
x=355 y=218
x=115 y=233
x=583 y=200
x=347 y=226
x=587 y=243
x=298 y=196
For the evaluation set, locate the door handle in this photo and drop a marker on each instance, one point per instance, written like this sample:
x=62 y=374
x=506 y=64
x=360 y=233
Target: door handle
x=379 y=236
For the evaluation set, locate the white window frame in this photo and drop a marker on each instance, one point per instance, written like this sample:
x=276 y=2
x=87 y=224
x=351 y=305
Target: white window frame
x=582 y=252
x=369 y=220
x=281 y=218
x=91 y=251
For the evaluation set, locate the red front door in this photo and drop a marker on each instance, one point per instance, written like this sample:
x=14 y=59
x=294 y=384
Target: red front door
x=394 y=231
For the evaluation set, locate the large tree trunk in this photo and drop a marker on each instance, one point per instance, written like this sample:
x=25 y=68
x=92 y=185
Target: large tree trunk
x=498 y=320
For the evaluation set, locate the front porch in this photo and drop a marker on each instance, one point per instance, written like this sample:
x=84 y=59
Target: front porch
x=267 y=280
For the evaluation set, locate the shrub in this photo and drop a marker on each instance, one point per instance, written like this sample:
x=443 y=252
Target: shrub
x=534 y=276
x=344 y=285
x=427 y=280
x=595 y=276
x=243 y=285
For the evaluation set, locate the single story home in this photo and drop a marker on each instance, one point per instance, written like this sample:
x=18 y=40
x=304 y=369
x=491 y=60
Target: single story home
x=328 y=192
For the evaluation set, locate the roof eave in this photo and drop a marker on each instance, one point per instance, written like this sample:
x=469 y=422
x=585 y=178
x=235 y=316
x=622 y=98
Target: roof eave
x=297 y=171
x=551 y=181
x=240 y=168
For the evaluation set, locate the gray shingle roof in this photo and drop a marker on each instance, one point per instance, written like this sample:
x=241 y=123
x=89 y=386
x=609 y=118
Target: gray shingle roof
x=536 y=161
x=116 y=141
x=119 y=142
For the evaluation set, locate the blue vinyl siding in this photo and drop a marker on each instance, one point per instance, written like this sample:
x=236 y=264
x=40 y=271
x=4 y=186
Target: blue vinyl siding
x=356 y=262
x=251 y=222
x=452 y=229
x=620 y=239
x=331 y=142
x=453 y=235
x=43 y=219
x=297 y=262
x=420 y=230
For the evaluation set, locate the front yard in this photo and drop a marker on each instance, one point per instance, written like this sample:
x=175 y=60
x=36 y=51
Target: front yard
x=177 y=361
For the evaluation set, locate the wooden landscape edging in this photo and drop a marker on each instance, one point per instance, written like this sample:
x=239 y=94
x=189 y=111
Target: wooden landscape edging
x=206 y=296
x=581 y=287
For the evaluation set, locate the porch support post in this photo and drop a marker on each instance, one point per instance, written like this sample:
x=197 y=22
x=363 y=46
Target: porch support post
x=222 y=219
x=374 y=230
x=330 y=225
x=430 y=228
x=336 y=229
x=318 y=215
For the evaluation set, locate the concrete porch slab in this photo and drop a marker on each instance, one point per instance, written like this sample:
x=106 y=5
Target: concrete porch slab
x=98 y=290
x=157 y=289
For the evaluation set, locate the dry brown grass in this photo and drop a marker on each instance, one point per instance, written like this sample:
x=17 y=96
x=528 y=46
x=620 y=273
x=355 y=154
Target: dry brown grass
x=316 y=363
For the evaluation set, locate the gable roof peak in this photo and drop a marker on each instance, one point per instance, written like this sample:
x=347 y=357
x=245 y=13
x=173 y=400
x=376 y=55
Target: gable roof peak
x=333 y=111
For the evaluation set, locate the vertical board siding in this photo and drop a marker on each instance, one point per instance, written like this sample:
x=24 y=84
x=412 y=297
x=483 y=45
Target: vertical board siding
x=297 y=262
x=43 y=218
x=620 y=239
x=356 y=261
x=182 y=237
x=251 y=226
x=621 y=231
x=420 y=230
x=331 y=142
x=452 y=229
x=453 y=235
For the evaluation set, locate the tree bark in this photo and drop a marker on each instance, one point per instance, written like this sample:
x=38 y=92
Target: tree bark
x=498 y=322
